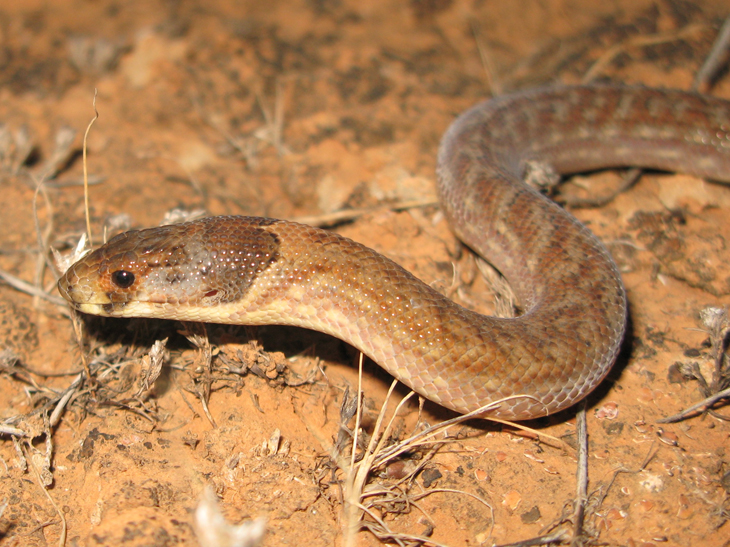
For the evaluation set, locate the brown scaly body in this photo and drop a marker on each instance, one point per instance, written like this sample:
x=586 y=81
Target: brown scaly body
x=244 y=270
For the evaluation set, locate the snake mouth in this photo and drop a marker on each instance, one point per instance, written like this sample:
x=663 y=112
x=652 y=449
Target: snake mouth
x=104 y=309
x=107 y=309
x=94 y=309
x=82 y=298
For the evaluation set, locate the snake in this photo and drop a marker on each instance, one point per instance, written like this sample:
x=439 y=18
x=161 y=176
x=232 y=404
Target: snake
x=572 y=303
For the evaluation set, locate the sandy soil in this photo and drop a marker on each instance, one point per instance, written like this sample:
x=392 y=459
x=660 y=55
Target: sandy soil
x=300 y=109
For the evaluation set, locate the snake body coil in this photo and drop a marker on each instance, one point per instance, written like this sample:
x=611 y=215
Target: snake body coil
x=244 y=270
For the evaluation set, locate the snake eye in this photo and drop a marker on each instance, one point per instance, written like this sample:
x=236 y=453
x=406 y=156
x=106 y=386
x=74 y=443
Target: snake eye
x=123 y=279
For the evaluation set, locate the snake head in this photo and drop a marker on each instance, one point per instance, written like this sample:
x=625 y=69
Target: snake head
x=170 y=271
